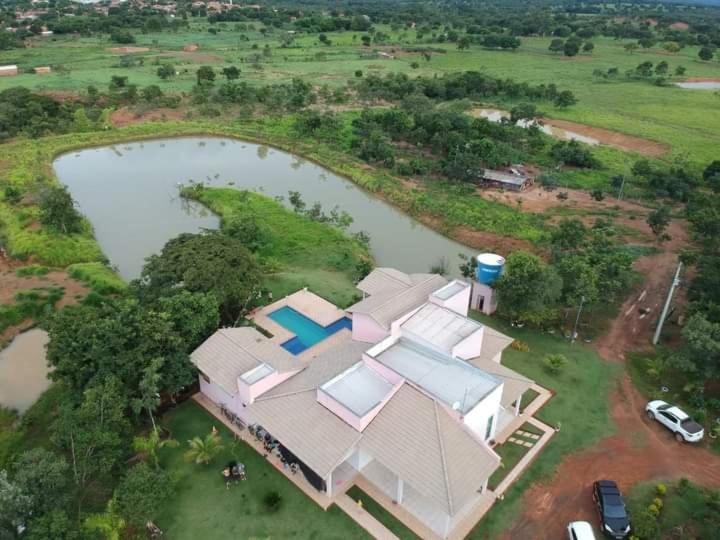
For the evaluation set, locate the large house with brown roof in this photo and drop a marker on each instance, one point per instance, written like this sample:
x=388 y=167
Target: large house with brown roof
x=410 y=396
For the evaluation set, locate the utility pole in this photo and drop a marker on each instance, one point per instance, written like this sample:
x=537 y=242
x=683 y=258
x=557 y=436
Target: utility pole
x=577 y=319
x=666 y=307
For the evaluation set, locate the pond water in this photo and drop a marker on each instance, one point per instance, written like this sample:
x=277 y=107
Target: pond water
x=497 y=115
x=23 y=370
x=703 y=85
x=129 y=192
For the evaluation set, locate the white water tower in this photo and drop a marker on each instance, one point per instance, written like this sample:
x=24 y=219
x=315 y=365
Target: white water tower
x=488 y=269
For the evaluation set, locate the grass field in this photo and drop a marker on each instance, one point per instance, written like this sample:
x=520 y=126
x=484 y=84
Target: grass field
x=688 y=120
x=300 y=252
x=201 y=506
x=383 y=516
x=579 y=406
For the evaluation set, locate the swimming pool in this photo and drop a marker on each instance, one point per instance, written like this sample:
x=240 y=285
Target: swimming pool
x=307 y=332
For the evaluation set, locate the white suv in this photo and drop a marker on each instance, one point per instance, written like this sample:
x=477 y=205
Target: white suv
x=677 y=421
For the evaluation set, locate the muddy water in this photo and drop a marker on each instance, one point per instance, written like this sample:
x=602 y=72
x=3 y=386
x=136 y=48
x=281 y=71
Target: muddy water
x=23 y=370
x=497 y=115
x=129 y=193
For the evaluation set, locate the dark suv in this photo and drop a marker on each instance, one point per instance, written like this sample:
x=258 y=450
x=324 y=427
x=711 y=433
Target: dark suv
x=614 y=521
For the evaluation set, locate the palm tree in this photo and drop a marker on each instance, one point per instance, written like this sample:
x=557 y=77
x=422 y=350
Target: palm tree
x=109 y=523
x=150 y=445
x=202 y=451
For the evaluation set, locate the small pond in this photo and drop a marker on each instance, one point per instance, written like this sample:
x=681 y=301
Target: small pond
x=129 y=192
x=700 y=85
x=498 y=115
x=23 y=370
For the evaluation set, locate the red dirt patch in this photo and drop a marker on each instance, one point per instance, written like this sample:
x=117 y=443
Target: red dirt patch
x=125 y=117
x=679 y=25
x=194 y=56
x=614 y=139
x=641 y=451
x=702 y=79
x=128 y=50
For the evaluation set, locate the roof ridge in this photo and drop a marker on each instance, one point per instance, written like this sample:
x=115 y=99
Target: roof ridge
x=400 y=293
x=243 y=347
x=384 y=269
x=446 y=477
x=286 y=394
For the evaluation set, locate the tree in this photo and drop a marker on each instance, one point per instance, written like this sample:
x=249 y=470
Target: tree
x=205 y=75
x=57 y=210
x=149 y=446
x=569 y=235
x=249 y=230
x=661 y=68
x=42 y=476
x=149 y=390
x=93 y=433
x=165 y=71
x=528 y=289
x=557 y=45
x=701 y=346
x=15 y=507
x=571 y=48
x=565 y=99
x=523 y=111
x=203 y=450
x=109 y=523
x=463 y=43
x=366 y=40
x=588 y=47
x=211 y=263
x=152 y=93
x=141 y=494
x=672 y=47
x=680 y=71
x=55 y=525
x=231 y=73
x=706 y=54
x=658 y=221
x=711 y=171
x=122 y=36
x=631 y=47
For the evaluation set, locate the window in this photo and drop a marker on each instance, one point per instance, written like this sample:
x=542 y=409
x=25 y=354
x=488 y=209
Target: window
x=488 y=430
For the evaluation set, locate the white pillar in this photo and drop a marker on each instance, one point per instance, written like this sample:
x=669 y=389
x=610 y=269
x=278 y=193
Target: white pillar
x=400 y=490
x=517 y=406
x=328 y=484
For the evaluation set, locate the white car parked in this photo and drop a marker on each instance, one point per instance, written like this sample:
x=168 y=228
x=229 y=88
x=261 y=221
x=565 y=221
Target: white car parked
x=580 y=530
x=676 y=420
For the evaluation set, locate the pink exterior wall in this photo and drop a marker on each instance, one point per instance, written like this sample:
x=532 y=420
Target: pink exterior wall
x=219 y=396
x=470 y=346
x=395 y=325
x=349 y=417
x=248 y=393
x=458 y=303
x=366 y=329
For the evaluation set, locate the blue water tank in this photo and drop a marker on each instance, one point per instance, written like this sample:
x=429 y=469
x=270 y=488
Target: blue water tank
x=489 y=268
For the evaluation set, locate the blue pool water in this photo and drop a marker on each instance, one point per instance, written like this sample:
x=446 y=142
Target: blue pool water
x=307 y=332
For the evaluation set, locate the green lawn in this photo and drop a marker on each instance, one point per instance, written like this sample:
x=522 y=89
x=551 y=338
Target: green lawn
x=688 y=120
x=201 y=506
x=382 y=515
x=579 y=406
x=299 y=252
x=684 y=508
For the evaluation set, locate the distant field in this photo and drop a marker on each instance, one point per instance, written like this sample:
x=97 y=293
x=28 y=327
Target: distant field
x=688 y=120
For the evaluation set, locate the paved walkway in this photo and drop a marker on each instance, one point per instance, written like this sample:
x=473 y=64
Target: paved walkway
x=363 y=518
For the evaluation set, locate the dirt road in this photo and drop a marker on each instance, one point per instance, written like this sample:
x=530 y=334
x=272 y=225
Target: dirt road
x=640 y=451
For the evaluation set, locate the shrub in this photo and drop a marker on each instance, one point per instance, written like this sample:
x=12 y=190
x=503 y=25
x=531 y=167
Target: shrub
x=661 y=490
x=555 y=363
x=653 y=510
x=645 y=525
x=13 y=195
x=658 y=503
x=272 y=501
x=520 y=346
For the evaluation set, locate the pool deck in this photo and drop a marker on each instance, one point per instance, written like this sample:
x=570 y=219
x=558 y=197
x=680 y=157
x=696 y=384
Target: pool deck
x=303 y=301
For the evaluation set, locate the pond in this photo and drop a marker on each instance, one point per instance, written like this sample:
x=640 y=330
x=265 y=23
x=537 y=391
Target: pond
x=23 y=370
x=129 y=192
x=498 y=115
x=701 y=85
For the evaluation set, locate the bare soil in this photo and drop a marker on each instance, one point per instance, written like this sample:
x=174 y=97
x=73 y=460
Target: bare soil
x=194 y=56
x=613 y=139
x=702 y=79
x=642 y=450
x=11 y=284
x=128 y=50
x=125 y=116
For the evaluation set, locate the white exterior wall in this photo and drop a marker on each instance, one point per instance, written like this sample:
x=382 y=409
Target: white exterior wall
x=469 y=347
x=477 y=418
x=359 y=459
x=366 y=329
x=458 y=303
